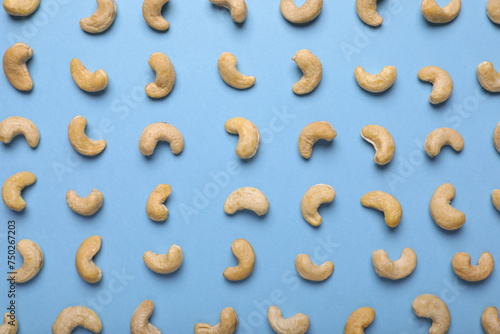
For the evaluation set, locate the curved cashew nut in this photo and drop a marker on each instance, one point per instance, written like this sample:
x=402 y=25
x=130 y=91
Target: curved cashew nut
x=367 y=12
x=245 y=255
x=382 y=141
x=85 y=206
x=9 y=325
x=86 y=80
x=298 y=324
x=237 y=8
x=20 y=8
x=441 y=81
x=249 y=136
x=155 y=208
x=310 y=271
x=85 y=266
x=161 y=131
x=385 y=202
x=102 y=18
x=12 y=187
x=13 y=126
x=441 y=137
x=151 y=10
x=376 y=83
x=303 y=14
x=462 y=266
x=32 y=261
x=359 y=320
x=312 y=199
x=247 y=198
x=139 y=324
x=165 y=76
x=490 y=320
x=312 y=70
x=313 y=132
x=442 y=212
x=495 y=198
x=230 y=74
x=493 y=10
x=435 y=14
x=430 y=306
x=488 y=77
x=14 y=66
x=496 y=137
x=398 y=269
x=164 y=263
x=79 y=140
x=74 y=316
x=227 y=325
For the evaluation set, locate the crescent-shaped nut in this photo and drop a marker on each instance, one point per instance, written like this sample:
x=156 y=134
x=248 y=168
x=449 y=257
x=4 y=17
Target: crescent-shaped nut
x=247 y=198
x=488 y=77
x=442 y=84
x=151 y=10
x=298 y=324
x=394 y=270
x=227 y=325
x=249 y=136
x=376 y=83
x=85 y=266
x=79 y=140
x=313 y=132
x=9 y=325
x=430 y=306
x=161 y=131
x=312 y=71
x=311 y=271
x=86 y=80
x=13 y=126
x=359 y=320
x=32 y=261
x=382 y=141
x=245 y=255
x=14 y=66
x=85 y=206
x=155 y=208
x=164 y=263
x=490 y=320
x=495 y=198
x=102 y=18
x=385 y=202
x=312 y=199
x=496 y=137
x=435 y=14
x=230 y=74
x=165 y=76
x=445 y=216
x=441 y=137
x=237 y=8
x=367 y=12
x=493 y=10
x=303 y=14
x=12 y=187
x=462 y=266
x=74 y=316
x=20 y=8
x=139 y=324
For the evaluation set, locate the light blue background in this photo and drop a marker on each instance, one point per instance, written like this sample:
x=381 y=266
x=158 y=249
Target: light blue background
x=198 y=106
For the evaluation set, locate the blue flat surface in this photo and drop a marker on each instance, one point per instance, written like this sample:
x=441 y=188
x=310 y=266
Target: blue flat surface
x=208 y=170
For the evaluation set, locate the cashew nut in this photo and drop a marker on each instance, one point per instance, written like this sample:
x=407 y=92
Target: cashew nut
x=238 y=8
x=435 y=14
x=85 y=206
x=230 y=74
x=441 y=137
x=376 y=83
x=32 y=261
x=165 y=76
x=312 y=199
x=359 y=320
x=14 y=66
x=495 y=198
x=102 y=18
x=462 y=266
x=20 y=8
x=164 y=263
x=155 y=208
x=394 y=270
x=249 y=136
x=245 y=255
x=313 y=132
x=151 y=10
x=13 y=126
x=441 y=81
x=86 y=80
x=11 y=190
x=156 y=132
x=490 y=320
x=74 y=316
x=430 y=306
x=298 y=324
x=227 y=325
x=367 y=12
x=303 y=14
x=139 y=324
x=85 y=266
x=382 y=141
x=312 y=71
x=442 y=212
x=79 y=140
x=488 y=77
x=493 y=10
x=496 y=137
x=310 y=271
x=9 y=325
x=247 y=198
x=385 y=202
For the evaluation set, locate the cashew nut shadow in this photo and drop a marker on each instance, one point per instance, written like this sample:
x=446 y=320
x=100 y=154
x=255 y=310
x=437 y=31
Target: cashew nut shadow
x=359 y=320
x=151 y=10
x=313 y=132
x=139 y=324
x=462 y=266
x=430 y=306
x=385 y=202
x=311 y=271
x=79 y=140
x=382 y=141
x=14 y=126
x=101 y=19
x=237 y=8
x=394 y=270
x=229 y=73
x=245 y=255
x=165 y=76
x=312 y=71
x=247 y=198
x=446 y=216
x=156 y=132
x=441 y=81
x=32 y=261
x=84 y=263
x=312 y=199
x=303 y=14
x=85 y=206
x=298 y=324
x=249 y=136
x=442 y=137
x=155 y=207
x=12 y=187
x=14 y=66
x=74 y=316
x=367 y=12
x=227 y=325
x=164 y=263
x=436 y=14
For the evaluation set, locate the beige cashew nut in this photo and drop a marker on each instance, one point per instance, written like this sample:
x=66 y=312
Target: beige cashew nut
x=493 y=10
x=85 y=206
x=313 y=132
x=151 y=10
x=442 y=84
x=435 y=14
x=139 y=324
x=298 y=324
x=245 y=255
x=441 y=137
x=247 y=198
x=249 y=136
x=445 y=216
x=382 y=141
x=237 y=8
x=32 y=261
x=9 y=325
x=227 y=325
x=495 y=198
x=367 y=12
x=156 y=132
x=85 y=266
x=155 y=208
x=311 y=271
x=430 y=306
x=164 y=263
x=490 y=320
x=79 y=140
x=496 y=137
x=14 y=66
x=385 y=202
x=102 y=18
x=462 y=266
x=229 y=73
x=20 y=8
x=359 y=320
x=13 y=126
x=312 y=199
x=12 y=187
x=488 y=77
x=312 y=71
x=165 y=76
x=394 y=270
x=376 y=83
x=303 y=14
x=86 y=80
x=74 y=316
